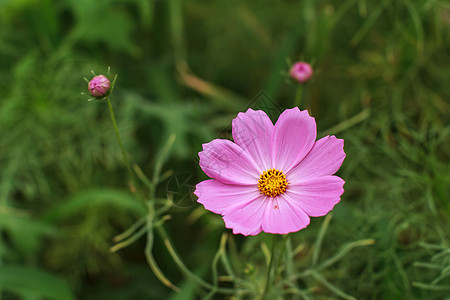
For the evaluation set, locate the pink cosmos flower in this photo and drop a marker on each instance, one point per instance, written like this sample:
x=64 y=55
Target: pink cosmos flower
x=273 y=177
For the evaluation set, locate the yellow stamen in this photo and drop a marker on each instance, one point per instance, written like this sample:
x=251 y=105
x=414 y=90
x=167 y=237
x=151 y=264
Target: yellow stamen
x=272 y=183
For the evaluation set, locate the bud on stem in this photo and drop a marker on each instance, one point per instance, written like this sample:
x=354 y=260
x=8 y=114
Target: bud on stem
x=99 y=86
x=301 y=71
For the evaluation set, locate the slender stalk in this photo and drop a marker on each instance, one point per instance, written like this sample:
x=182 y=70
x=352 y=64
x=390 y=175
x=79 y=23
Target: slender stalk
x=129 y=241
x=298 y=96
x=269 y=269
x=320 y=236
x=283 y=248
x=291 y=270
x=348 y=123
x=129 y=231
x=151 y=261
x=122 y=148
x=175 y=256
x=214 y=268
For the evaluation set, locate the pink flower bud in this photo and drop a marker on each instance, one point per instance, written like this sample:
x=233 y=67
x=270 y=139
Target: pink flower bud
x=301 y=71
x=99 y=86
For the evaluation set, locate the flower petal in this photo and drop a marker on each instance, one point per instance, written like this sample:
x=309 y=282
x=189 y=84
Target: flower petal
x=317 y=196
x=325 y=158
x=227 y=162
x=217 y=197
x=293 y=137
x=246 y=218
x=252 y=131
x=282 y=217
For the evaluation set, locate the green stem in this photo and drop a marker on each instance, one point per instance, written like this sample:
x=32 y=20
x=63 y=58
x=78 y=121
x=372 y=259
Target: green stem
x=290 y=266
x=129 y=231
x=151 y=260
x=269 y=269
x=283 y=248
x=320 y=236
x=175 y=256
x=122 y=148
x=298 y=96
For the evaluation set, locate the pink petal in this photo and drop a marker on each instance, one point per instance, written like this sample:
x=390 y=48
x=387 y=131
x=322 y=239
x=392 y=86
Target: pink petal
x=227 y=162
x=252 y=131
x=246 y=218
x=282 y=217
x=317 y=196
x=293 y=137
x=325 y=158
x=217 y=197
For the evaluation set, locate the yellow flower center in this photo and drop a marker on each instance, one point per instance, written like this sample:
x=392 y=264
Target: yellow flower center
x=272 y=183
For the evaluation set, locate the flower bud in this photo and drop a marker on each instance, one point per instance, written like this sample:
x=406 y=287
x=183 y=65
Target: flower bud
x=99 y=86
x=301 y=71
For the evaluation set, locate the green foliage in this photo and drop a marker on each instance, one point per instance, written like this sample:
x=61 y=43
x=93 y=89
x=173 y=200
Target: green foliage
x=185 y=69
x=31 y=283
x=103 y=23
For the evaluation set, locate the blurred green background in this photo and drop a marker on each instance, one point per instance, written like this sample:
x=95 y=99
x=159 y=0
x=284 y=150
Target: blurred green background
x=187 y=67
